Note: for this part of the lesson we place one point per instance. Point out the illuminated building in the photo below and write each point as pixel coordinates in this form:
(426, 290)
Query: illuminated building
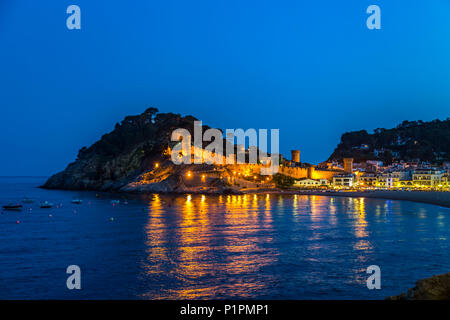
(368, 179)
(311, 183)
(427, 178)
(344, 180)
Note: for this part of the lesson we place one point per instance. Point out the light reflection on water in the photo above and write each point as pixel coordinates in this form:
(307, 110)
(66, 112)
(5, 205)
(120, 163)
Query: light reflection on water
(252, 246)
(202, 249)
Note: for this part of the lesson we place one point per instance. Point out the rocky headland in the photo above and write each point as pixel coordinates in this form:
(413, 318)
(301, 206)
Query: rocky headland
(132, 158)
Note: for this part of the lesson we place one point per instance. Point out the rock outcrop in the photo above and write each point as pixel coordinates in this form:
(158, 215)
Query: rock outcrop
(433, 288)
(124, 159)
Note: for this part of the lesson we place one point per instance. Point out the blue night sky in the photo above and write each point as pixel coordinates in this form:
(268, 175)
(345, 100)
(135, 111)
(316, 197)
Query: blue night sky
(310, 68)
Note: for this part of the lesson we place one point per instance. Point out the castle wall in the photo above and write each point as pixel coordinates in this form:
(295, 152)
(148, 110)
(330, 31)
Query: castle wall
(294, 172)
(324, 174)
(310, 172)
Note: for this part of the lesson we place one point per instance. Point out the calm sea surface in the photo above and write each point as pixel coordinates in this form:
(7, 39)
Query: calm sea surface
(206, 247)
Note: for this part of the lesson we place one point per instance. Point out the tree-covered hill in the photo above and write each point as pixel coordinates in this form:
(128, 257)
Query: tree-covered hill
(410, 140)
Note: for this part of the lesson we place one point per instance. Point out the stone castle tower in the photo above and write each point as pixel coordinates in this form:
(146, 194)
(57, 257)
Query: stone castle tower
(348, 165)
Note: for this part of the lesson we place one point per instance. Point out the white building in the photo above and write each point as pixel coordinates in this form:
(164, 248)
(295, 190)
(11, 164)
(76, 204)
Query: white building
(344, 180)
(310, 183)
(427, 178)
(385, 180)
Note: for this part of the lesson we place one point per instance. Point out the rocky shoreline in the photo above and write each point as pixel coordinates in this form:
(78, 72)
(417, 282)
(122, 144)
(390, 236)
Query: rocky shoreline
(433, 288)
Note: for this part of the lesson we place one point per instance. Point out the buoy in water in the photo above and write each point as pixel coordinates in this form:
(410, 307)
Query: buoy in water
(17, 222)
(112, 219)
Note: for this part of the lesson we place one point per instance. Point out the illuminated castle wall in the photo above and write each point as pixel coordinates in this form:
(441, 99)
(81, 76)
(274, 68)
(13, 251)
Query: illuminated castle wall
(245, 170)
(308, 172)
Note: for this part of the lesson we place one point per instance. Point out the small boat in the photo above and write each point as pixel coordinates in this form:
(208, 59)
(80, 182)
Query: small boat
(46, 205)
(77, 201)
(15, 207)
(115, 201)
(27, 200)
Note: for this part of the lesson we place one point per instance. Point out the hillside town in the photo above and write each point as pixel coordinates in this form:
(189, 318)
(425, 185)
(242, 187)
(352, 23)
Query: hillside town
(372, 174)
(367, 175)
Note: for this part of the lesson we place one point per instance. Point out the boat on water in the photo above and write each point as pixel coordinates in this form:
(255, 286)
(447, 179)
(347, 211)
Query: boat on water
(14, 207)
(27, 200)
(115, 201)
(77, 201)
(46, 205)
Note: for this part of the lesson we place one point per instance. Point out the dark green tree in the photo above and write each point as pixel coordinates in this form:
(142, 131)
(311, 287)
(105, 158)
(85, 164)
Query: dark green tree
(282, 181)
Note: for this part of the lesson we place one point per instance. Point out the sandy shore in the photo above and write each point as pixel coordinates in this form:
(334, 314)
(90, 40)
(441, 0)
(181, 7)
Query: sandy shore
(432, 197)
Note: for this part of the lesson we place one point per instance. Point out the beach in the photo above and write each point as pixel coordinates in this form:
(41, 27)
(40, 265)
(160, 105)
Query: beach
(432, 197)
